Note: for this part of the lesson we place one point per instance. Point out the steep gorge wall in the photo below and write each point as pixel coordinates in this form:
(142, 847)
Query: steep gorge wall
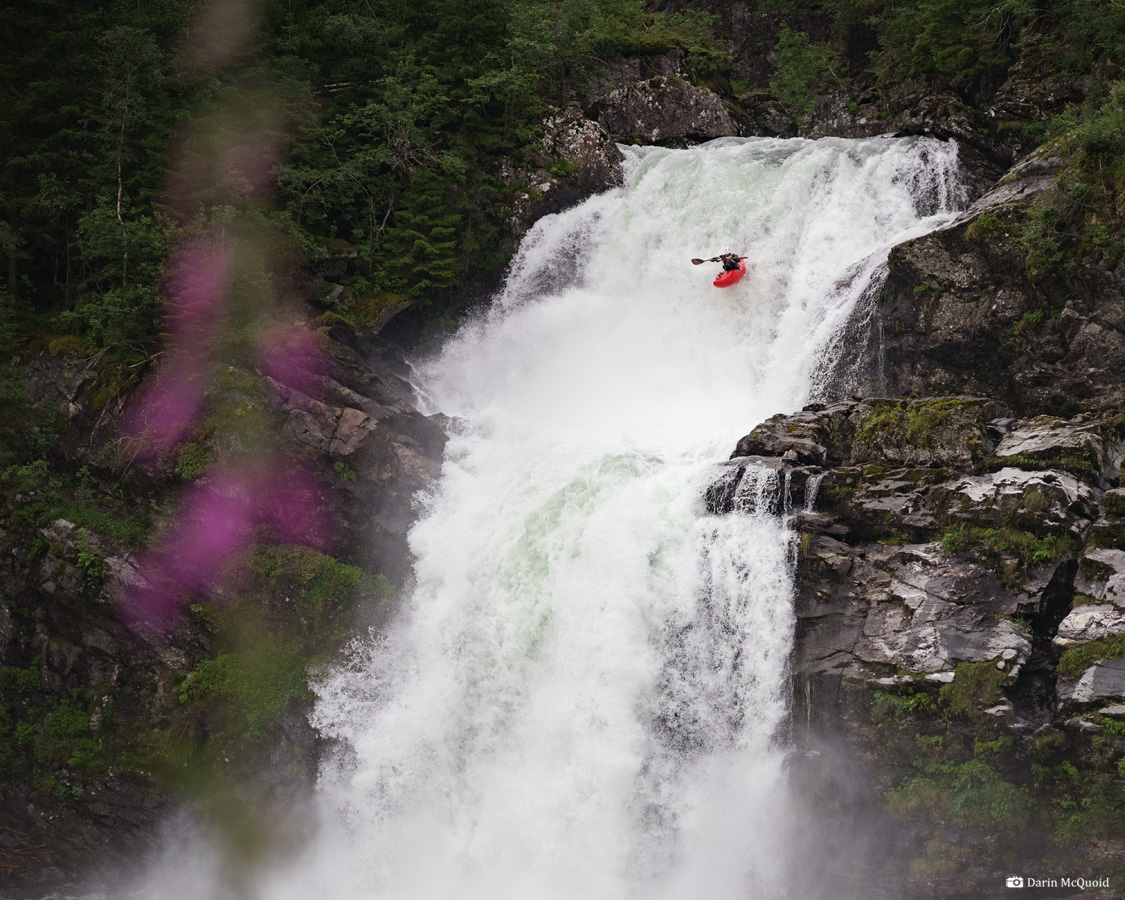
(956, 676)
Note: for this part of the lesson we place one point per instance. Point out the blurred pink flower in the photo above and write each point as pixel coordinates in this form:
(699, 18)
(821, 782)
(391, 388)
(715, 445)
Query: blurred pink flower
(196, 289)
(166, 408)
(248, 165)
(293, 508)
(218, 521)
(293, 355)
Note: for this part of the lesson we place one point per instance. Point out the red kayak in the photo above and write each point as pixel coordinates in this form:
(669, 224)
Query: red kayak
(726, 279)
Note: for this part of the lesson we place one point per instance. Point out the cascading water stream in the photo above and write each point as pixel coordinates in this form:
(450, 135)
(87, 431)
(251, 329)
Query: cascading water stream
(583, 695)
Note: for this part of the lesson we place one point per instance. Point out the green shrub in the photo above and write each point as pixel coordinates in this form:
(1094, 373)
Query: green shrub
(192, 460)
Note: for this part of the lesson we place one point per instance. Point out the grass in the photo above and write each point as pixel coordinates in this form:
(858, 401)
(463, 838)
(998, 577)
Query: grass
(1029, 549)
(1077, 659)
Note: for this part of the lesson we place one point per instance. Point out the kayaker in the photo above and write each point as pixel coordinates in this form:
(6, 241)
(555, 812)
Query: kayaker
(729, 261)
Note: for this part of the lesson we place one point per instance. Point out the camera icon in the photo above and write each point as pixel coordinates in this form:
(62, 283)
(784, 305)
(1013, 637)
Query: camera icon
(1014, 881)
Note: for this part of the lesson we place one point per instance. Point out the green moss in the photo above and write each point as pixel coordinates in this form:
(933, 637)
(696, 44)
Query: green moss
(1077, 659)
(319, 582)
(1027, 548)
(65, 346)
(984, 229)
(192, 460)
(975, 686)
(1034, 501)
(909, 423)
(247, 692)
(1078, 462)
(1115, 505)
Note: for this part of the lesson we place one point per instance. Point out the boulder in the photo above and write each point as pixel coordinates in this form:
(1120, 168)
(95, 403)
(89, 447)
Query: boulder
(576, 158)
(664, 110)
(53, 383)
(1090, 623)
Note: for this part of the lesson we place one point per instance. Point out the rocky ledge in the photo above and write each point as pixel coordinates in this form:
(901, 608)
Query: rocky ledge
(958, 666)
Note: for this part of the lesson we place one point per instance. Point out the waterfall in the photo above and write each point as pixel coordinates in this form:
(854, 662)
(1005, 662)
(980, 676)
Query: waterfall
(586, 693)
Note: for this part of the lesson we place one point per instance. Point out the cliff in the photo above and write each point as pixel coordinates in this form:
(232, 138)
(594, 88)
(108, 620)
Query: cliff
(956, 687)
(159, 611)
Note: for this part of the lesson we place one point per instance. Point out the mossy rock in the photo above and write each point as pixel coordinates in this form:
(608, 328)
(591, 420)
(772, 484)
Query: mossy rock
(936, 431)
(1078, 658)
(975, 687)
(68, 345)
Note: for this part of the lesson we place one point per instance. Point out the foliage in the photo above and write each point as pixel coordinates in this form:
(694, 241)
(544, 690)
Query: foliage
(802, 70)
(1078, 658)
(249, 691)
(57, 743)
(192, 460)
(1085, 218)
(964, 36)
(966, 790)
(90, 502)
(322, 583)
(910, 699)
(1029, 549)
(1087, 802)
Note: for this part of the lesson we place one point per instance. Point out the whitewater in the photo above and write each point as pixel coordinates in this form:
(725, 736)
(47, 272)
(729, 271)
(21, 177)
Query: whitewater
(585, 694)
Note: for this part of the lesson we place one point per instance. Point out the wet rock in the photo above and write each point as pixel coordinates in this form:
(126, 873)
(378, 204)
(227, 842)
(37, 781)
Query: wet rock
(1089, 623)
(873, 484)
(1103, 680)
(913, 608)
(1101, 575)
(1088, 448)
(54, 383)
(759, 484)
(917, 432)
(1043, 502)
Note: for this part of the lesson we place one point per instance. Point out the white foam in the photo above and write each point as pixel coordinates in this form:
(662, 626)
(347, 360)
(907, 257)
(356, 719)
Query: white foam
(583, 696)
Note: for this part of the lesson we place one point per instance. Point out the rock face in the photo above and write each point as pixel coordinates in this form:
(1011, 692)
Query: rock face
(664, 110)
(960, 584)
(966, 309)
(92, 705)
(576, 158)
(363, 427)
